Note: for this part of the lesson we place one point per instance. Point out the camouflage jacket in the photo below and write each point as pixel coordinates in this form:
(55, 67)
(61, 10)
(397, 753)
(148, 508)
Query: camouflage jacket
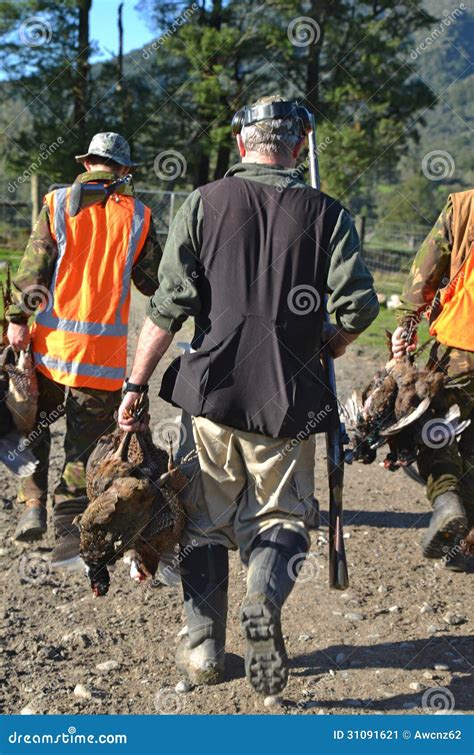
(429, 271)
(38, 262)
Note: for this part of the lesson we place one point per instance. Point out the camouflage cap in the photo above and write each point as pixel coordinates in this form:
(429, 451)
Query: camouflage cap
(110, 146)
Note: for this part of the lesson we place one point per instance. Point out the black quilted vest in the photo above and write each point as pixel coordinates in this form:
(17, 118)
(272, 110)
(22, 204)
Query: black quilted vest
(264, 262)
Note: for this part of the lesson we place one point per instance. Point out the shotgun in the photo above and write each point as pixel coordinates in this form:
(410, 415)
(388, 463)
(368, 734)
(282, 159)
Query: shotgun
(336, 435)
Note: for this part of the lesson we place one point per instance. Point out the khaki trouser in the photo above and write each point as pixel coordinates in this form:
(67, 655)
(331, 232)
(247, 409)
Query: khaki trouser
(89, 414)
(247, 483)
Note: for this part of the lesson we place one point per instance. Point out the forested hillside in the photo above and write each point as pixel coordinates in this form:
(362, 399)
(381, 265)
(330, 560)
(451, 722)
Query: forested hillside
(389, 82)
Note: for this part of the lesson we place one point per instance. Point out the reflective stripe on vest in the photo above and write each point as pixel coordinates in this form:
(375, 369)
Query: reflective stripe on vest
(90, 328)
(80, 338)
(80, 368)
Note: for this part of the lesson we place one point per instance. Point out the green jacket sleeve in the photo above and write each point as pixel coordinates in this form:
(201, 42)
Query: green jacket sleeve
(177, 297)
(145, 270)
(352, 298)
(35, 271)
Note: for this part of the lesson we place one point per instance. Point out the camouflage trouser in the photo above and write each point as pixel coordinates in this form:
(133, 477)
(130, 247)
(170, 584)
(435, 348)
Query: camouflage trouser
(451, 465)
(89, 414)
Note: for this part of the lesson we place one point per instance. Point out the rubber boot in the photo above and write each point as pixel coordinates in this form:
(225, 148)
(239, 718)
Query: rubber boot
(67, 539)
(33, 523)
(275, 560)
(205, 578)
(448, 523)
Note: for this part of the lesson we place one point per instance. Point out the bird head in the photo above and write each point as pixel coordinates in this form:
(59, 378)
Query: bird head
(99, 579)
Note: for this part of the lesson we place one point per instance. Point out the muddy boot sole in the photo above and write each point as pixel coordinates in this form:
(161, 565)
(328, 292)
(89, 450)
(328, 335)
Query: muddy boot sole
(442, 535)
(266, 662)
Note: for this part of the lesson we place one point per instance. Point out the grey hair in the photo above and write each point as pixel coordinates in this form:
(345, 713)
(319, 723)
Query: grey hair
(278, 137)
(273, 137)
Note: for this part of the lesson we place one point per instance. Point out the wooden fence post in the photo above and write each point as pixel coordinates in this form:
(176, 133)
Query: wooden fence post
(35, 201)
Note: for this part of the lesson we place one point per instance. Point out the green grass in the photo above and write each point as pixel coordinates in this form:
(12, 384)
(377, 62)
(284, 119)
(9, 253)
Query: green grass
(374, 337)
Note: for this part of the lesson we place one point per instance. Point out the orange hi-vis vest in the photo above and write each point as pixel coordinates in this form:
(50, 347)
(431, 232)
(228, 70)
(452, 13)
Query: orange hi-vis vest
(80, 337)
(454, 326)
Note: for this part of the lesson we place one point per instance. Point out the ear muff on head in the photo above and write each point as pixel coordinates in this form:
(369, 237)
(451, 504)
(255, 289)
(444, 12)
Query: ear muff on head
(237, 122)
(247, 116)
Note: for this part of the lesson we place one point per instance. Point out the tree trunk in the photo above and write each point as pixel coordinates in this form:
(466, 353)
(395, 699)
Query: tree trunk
(120, 50)
(82, 66)
(222, 164)
(35, 198)
(318, 13)
(201, 173)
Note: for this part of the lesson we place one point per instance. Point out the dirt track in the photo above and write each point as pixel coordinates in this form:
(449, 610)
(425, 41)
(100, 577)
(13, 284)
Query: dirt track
(400, 630)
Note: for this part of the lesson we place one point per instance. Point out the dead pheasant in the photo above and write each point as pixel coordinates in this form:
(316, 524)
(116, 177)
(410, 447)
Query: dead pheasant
(18, 399)
(133, 488)
(394, 408)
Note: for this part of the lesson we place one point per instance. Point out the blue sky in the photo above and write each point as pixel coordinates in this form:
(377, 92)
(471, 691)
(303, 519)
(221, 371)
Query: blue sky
(104, 30)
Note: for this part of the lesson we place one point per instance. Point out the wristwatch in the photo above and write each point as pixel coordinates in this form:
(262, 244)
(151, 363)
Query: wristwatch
(134, 387)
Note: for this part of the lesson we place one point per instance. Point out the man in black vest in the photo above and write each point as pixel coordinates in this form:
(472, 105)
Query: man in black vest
(251, 257)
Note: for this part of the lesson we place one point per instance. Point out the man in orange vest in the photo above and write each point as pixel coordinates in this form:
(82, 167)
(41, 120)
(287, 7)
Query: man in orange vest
(75, 277)
(441, 282)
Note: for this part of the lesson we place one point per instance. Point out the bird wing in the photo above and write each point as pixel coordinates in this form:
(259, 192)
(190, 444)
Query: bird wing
(353, 409)
(408, 420)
